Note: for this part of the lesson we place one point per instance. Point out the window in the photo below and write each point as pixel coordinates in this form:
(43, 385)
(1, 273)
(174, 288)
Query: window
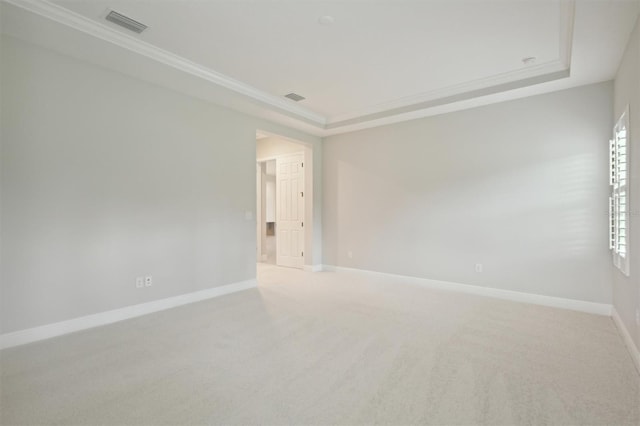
(619, 199)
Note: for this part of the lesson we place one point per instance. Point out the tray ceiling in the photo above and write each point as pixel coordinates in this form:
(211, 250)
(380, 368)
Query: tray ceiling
(375, 62)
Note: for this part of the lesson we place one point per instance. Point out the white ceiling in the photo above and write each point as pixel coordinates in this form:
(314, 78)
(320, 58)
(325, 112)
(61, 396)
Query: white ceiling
(380, 62)
(375, 52)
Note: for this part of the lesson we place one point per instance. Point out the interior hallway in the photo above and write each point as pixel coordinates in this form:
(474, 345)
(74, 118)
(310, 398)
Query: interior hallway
(330, 348)
(271, 249)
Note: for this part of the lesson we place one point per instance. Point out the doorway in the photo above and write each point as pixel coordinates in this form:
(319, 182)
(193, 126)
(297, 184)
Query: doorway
(284, 201)
(266, 207)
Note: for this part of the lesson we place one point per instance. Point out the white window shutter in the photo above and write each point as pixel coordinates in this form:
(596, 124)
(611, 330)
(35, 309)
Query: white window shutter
(619, 200)
(612, 162)
(612, 226)
(621, 224)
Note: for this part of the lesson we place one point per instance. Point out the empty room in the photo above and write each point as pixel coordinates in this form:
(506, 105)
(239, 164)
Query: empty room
(319, 212)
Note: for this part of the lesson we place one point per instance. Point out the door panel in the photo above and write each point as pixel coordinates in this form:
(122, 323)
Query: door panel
(290, 210)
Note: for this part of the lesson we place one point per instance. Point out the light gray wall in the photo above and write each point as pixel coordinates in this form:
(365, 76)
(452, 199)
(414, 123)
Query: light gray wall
(520, 187)
(626, 290)
(106, 178)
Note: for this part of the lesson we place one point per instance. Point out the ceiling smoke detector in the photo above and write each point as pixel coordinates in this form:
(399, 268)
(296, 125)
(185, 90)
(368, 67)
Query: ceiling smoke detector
(295, 97)
(125, 22)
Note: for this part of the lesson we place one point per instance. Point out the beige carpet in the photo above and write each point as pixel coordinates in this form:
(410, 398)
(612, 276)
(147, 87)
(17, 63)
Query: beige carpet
(330, 348)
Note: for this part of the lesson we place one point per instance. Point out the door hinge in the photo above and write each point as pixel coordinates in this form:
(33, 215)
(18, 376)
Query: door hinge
(302, 193)
(302, 254)
(302, 164)
(302, 224)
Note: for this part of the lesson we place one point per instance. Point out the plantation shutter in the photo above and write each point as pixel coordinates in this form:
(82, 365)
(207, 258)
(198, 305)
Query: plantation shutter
(619, 200)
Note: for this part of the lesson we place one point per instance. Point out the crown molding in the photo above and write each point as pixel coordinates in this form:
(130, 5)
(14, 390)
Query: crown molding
(86, 25)
(567, 19)
(314, 123)
(463, 92)
(547, 71)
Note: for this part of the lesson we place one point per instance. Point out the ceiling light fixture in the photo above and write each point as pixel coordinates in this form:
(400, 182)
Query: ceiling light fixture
(326, 20)
(529, 60)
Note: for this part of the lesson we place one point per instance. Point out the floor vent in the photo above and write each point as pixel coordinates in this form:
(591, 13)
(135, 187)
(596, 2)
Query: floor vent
(125, 22)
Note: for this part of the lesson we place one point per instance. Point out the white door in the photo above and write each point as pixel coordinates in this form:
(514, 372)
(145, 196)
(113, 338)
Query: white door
(290, 210)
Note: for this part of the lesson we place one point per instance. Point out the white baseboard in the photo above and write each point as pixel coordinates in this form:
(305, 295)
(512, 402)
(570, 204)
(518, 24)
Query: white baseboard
(626, 336)
(536, 299)
(29, 335)
(313, 268)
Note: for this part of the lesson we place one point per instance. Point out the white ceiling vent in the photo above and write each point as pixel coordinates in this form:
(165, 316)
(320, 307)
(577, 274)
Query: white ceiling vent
(294, 97)
(126, 22)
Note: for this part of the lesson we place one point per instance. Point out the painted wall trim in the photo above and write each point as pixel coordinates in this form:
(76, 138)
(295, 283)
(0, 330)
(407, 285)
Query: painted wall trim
(431, 102)
(370, 116)
(547, 71)
(105, 32)
(626, 336)
(48, 331)
(515, 296)
(313, 268)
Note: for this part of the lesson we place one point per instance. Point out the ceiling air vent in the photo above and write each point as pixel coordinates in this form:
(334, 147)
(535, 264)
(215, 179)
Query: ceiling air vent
(126, 22)
(294, 97)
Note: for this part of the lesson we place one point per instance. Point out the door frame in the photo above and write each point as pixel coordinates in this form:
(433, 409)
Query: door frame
(308, 202)
(259, 198)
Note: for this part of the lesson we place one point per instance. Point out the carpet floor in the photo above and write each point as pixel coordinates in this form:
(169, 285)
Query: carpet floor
(330, 348)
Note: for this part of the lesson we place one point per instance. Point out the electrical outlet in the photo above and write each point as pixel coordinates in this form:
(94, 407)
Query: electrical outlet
(148, 281)
(350, 254)
(139, 282)
(478, 267)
